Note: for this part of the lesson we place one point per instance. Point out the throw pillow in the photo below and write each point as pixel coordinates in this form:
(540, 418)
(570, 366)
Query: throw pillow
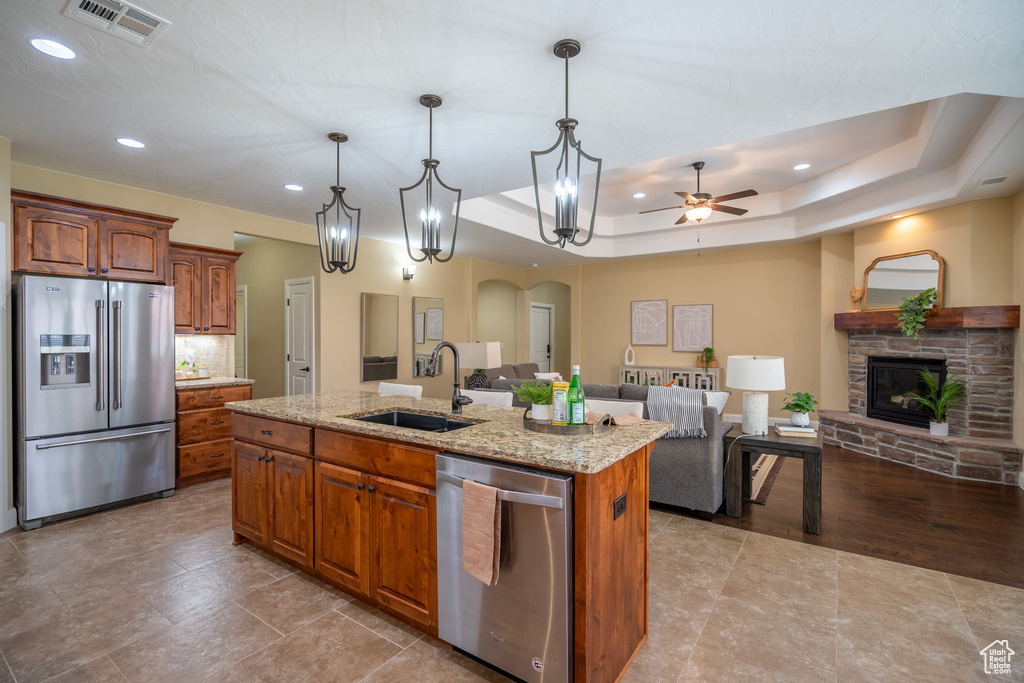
(717, 399)
(553, 376)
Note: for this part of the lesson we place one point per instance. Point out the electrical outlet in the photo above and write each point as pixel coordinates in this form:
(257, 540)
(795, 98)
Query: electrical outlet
(619, 506)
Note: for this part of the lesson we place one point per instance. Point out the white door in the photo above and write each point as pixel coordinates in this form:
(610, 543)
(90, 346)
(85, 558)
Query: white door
(299, 346)
(542, 335)
(241, 331)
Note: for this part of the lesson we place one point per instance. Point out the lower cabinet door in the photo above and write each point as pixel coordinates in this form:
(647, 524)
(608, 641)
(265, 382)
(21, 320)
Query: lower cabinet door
(248, 496)
(343, 526)
(404, 548)
(291, 506)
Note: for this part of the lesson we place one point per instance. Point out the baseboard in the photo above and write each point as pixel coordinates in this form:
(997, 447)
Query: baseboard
(1020, 479)
(9, 520)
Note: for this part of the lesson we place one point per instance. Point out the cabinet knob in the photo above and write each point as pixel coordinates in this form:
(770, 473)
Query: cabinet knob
(206, 329)
(197, 329)
(360, 486)
(219, 455)
(268, 432)
(372, 488)
(260, 458)
(269, 458)
(103, 270)
(92, 269)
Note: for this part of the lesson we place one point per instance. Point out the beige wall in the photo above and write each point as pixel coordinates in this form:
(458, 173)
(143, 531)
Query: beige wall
(263, 268)
(558, 295)
(7, 514)
(752, 291)
(1017, 250)
(837, 277)
(498, 317)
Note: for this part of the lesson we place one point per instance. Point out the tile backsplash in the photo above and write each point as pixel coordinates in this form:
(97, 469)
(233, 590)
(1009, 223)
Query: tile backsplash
(211, 351)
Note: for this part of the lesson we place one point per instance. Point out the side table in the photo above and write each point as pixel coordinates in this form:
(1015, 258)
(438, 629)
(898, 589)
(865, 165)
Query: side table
(737, 469)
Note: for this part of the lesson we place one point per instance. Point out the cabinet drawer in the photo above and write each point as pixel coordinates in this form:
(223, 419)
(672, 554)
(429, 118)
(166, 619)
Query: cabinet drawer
(389, 459)
(204, 458)
(214, 397)
(273, 433)
(211, 424)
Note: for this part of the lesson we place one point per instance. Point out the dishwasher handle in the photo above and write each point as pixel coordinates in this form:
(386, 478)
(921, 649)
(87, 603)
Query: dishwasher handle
(513, 496)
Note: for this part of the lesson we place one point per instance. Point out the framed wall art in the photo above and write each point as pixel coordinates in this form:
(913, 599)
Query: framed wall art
(649, 323)
(691, 327)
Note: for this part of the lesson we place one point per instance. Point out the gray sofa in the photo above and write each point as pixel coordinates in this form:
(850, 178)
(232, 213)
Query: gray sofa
(686, 473)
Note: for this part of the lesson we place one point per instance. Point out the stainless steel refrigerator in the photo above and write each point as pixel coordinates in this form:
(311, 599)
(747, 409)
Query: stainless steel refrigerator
(94, 362)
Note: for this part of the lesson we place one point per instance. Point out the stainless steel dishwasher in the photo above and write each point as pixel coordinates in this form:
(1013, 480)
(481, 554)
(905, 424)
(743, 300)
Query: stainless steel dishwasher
(523, 624)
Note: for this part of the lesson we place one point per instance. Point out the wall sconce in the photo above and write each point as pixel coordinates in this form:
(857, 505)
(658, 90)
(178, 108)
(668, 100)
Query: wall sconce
(408, 272)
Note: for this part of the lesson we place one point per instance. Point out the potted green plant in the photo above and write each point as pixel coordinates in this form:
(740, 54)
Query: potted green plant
(800, 403)
(539, 394)
(938, 399)
(914, 311)
(707, 358)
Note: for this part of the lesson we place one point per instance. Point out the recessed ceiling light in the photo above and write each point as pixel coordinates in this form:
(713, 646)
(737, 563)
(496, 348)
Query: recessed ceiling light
(53, 48)
(535, 265)
(129, 142)
(898, 215)
(293, 187)
(638, 195)
(801, 167)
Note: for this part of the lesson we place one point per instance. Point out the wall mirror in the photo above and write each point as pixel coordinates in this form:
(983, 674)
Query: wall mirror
(890, 278)
(427, 330)
(379, 337)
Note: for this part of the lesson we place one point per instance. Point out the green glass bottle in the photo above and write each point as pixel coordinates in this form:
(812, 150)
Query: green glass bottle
(576, 400)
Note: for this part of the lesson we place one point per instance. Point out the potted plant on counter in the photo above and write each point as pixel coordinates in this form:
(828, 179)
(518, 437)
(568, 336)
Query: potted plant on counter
(800, 403)
(707, 359)
(938, 399)
(539, 394)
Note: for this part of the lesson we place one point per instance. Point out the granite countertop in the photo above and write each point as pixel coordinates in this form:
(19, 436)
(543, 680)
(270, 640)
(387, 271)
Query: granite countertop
(210, 382)
(499, 433)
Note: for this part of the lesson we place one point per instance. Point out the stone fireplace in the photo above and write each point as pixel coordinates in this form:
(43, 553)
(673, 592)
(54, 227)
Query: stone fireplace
(892, 382)
(979, 445)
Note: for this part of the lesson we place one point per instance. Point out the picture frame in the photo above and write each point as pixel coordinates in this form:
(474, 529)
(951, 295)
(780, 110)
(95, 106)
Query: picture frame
(420, 328)
(649, 323)
(435, 324)
(692, 326)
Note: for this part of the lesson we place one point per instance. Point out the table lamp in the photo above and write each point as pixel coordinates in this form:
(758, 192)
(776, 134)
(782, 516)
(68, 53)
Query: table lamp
(755, 374)
(480, 356)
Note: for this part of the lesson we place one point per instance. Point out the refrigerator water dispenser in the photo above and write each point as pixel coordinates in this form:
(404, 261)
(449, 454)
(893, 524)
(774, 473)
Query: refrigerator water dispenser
(64, 360)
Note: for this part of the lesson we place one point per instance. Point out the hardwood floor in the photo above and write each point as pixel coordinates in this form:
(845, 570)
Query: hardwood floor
(884, 509)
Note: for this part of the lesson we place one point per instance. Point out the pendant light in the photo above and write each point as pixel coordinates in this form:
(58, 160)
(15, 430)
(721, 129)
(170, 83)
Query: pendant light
(337, 231)
(566, 170)
(430, 214)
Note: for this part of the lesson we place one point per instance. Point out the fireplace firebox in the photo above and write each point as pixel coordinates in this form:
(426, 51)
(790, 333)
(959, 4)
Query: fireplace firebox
(890, 383)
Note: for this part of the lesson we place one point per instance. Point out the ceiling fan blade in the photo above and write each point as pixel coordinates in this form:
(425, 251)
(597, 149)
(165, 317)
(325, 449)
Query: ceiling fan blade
(735, 195)
(665, 209)
(681, 220)
(728, 209)
(687, 196)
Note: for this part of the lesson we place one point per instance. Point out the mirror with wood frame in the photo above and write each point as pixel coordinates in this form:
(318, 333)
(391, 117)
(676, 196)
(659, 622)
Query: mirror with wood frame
(379, 334)
(891, 278)
(427, 330)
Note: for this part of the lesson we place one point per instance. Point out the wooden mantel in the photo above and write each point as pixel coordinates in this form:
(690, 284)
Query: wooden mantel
(976, 317)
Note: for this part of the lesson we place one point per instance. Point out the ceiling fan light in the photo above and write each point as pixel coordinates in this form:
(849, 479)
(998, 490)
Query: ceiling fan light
(698, 213)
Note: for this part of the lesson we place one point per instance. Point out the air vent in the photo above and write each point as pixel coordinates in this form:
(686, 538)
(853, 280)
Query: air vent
(991, 181)
(120, 19)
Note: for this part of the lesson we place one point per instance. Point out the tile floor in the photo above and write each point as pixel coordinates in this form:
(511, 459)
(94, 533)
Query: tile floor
(156, 592)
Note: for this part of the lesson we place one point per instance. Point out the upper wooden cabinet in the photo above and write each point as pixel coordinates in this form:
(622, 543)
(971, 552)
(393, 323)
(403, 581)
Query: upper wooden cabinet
(63, 237)
(204, 289)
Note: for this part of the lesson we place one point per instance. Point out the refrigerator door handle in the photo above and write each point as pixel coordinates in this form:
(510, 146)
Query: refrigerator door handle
(100, 353)
(48, 446)
(116, 362)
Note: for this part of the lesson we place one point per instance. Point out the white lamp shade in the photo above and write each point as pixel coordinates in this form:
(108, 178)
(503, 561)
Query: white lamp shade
(479, 355)
(755, 373)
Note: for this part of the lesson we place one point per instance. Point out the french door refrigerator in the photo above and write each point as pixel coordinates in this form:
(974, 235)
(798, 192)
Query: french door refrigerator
(95, 394)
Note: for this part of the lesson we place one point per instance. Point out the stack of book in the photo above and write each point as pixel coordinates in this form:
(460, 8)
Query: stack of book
(793, 430)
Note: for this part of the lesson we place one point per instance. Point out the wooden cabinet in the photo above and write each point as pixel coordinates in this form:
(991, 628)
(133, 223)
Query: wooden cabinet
(64, 237)
(272, 491)
(204, 289)
(342, 536)
(204, 432)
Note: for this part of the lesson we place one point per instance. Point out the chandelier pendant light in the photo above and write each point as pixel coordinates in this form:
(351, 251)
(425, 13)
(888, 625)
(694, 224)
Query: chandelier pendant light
(567, 171)
(337, 224)
(432, 220)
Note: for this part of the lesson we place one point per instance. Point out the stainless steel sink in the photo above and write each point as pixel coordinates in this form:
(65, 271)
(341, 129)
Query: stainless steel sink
(423, 423)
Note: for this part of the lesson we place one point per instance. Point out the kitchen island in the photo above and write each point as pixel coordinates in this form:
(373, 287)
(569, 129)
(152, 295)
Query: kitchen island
(353, 503)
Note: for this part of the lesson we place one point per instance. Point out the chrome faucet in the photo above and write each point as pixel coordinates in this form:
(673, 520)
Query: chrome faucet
(458, 400)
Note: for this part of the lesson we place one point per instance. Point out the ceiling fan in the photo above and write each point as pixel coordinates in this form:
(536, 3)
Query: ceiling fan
(699, 205)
